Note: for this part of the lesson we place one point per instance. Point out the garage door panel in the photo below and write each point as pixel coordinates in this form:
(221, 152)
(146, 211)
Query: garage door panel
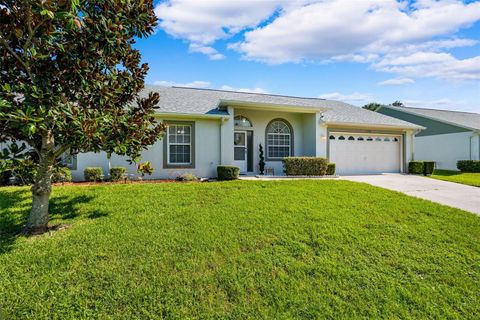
(365, 154)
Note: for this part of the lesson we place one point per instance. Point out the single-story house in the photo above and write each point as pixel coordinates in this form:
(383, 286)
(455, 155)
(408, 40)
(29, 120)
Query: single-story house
(449, 135)
(207, 128)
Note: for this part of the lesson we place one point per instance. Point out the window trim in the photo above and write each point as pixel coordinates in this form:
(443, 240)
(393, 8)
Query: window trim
(166, 149)
(292, 153)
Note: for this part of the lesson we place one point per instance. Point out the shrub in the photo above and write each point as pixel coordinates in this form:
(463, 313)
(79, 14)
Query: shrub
(428, 167)
(415, 167)
(469, 165)
(5, 177)
(25, 172)
(305, 166)
(331, 169)
(227, 172)
(61, 174)
(93, 174)
(145, 168)
(117, 173)
(187, 177)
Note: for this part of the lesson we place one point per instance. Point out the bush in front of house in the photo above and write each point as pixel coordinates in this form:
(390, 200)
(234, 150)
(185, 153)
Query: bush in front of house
(117, 173)
(469, 165)
(227, 173)
(415, 167)
(331, 169)
(61, 174)
(305, 166)
(93, 174)
(428, 167)
(187, 177)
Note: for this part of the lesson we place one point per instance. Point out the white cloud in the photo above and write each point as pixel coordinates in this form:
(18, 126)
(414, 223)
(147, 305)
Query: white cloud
(396, 82)
(354, 98)
(203, 22)
(250, 90)
(212, 53)
(193, 84)
(324, 29)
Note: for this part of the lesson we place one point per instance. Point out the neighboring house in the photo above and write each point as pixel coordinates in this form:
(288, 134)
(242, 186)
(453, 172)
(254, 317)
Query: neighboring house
(449, 135)
(207, 128)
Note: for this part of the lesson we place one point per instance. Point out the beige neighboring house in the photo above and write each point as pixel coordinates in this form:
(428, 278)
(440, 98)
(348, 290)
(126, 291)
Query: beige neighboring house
(207, 128)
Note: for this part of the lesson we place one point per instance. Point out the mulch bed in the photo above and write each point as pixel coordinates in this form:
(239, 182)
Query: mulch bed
(103, 183)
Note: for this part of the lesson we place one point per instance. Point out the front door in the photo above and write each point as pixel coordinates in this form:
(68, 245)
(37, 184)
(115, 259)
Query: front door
(240, 150)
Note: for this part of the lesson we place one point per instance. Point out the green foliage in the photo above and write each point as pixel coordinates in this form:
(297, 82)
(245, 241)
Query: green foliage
(398, 104)
(468, 178)
(428, 167)
(117, 173)
(187, 177)
(415, 167)
(327, 249)
(469, 165)
(61, 174)
(145, 168)
(305, 166)
(372, 106)
(227, 173)
(331, 169)
(93, 174)
(261, 162)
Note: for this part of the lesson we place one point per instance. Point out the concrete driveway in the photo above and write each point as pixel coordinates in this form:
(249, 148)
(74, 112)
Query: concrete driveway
(448, 193)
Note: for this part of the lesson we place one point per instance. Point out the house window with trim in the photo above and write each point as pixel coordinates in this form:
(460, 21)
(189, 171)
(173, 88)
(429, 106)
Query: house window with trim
(179, 144)
(279, 136)
(68, 160)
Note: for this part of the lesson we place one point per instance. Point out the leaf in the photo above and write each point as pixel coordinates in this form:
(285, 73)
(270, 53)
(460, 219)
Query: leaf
(48, 13)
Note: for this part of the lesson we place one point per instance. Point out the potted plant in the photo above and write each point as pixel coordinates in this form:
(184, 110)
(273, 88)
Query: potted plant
(261, 163)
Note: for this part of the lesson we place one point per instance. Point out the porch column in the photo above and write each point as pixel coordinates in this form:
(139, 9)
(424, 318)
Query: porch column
(226, 139)
(321, 138)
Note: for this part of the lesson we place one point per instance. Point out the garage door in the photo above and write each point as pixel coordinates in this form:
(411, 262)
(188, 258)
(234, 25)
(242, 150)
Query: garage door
(365, 154)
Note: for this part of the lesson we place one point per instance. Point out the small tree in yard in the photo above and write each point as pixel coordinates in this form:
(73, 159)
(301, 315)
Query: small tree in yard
(69, 82)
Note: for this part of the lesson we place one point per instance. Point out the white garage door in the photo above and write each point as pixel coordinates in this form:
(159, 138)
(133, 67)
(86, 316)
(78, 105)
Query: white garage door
(365, 154)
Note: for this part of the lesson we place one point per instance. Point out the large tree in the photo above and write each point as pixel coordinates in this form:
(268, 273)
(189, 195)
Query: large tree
(70, 80)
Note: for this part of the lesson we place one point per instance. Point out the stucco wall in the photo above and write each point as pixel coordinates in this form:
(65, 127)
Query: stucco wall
(260, 120)
(207, 156)
(447, 149)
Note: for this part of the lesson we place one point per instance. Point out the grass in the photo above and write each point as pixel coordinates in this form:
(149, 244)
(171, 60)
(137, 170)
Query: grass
(244, 249)
(469, 178)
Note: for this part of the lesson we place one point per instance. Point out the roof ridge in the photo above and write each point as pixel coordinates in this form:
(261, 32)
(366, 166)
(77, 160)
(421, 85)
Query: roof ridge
(437, 110)
(257, 93)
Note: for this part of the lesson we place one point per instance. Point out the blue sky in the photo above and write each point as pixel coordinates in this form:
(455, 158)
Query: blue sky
(425, 53)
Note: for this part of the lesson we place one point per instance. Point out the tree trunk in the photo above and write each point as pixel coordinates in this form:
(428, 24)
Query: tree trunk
(42, 187)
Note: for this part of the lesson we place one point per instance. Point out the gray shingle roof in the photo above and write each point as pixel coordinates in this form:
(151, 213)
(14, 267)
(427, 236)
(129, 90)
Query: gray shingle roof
(464, 119)
(205, 101)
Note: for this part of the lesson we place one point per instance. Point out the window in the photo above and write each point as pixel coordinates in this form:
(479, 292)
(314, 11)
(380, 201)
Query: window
(386, 139)
(395, 140)
(360, 139)
(341, 138)
(179, 144)
(351, 138)
(378, 139)
(241, 121)
(369, 139)
(332, 137)
(69, 160)
(279, 139)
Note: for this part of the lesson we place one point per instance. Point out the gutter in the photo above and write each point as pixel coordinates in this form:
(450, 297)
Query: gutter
(191, 116)
(270, 106)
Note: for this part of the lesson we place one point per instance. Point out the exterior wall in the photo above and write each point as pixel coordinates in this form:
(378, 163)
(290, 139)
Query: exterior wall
(447, 149)
(260, 120)
(433, 127)
(207, 156)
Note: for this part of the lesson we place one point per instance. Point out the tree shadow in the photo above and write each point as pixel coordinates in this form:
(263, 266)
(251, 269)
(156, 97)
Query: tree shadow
(15, 208)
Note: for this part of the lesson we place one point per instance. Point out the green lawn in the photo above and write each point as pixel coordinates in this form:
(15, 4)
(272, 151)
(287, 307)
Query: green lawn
(244, 249)
(469, 178)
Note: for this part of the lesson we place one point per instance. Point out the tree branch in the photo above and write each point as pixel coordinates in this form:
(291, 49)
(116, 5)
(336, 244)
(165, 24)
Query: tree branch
(15, 55)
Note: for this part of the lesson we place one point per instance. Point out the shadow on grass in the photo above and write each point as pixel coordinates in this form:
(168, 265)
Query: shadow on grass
(446, 173)
(15, 208)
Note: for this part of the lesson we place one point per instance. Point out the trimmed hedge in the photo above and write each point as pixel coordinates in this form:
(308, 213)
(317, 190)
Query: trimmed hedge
(93, 174)
(305, 166)
(469, 165)
(331, 169)
(227, 173)
(428, 167)
(117, 173)
(415, 167)
(61, 174)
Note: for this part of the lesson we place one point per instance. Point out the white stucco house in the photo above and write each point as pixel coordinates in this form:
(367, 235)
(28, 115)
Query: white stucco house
(449, 135)
(212, 127)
